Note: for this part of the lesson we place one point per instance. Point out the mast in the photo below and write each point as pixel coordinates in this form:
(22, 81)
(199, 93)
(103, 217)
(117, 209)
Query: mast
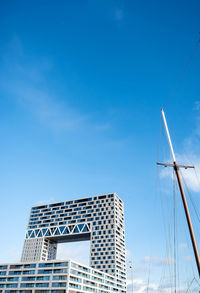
(178, 176)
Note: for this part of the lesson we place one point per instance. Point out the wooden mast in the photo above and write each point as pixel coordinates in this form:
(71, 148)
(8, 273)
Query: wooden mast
(178, 176)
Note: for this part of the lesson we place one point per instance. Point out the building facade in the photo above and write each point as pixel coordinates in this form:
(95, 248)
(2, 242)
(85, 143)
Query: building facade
(55, 277)
(99, 219)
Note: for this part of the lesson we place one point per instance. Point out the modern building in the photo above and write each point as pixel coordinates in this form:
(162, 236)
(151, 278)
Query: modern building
(55, 277)
(99, 219)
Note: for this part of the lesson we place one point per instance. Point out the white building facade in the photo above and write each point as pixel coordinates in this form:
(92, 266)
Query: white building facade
(55, 277)
(99, 219)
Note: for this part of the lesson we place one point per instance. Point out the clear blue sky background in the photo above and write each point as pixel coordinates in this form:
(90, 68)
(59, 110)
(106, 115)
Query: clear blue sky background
(81, 87)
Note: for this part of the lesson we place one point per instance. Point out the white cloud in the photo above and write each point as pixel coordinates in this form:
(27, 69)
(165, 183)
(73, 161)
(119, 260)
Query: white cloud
(182, 246)
(158, 261)
(23, 78)
(78, 251)
(188, 258)
(197, 105)
(191, 177)
(128, 254)
(56, 115)
(119, 14)
(45, 201)
(14, 254)
(141, 286)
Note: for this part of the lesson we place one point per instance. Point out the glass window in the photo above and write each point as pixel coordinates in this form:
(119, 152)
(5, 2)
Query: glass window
(58, 284)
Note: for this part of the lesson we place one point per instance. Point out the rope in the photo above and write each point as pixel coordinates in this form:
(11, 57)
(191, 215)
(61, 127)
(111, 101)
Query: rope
(174, 214)
(191, 199)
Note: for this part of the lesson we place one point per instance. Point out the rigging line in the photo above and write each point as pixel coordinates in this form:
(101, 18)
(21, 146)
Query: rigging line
(195, 171)
(148, 279)
(165, 233)
(178, 210)
(197, 212)
(162, 276)
(190, 285)
(169, 244)
(183, 228)
(177, 237)
(165, 211)
(191, 199)
(168, 225)
(159, 199)
(170, 230)
(159, 141)
(160, 196)
(194, 210)
(197, 177)
(174, 214)
(181, 75)
(197, 281)
(171, 235)
(185, 231)
(164, 226)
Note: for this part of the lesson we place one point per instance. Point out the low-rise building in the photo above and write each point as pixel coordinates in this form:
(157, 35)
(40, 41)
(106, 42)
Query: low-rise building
(55, 277)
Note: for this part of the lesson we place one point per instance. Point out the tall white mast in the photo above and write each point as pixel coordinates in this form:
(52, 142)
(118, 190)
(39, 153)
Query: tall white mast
(178, 176)
(168, 135)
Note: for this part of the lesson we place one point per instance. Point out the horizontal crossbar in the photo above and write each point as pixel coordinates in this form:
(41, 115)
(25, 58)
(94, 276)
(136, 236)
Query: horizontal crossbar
(172, 165)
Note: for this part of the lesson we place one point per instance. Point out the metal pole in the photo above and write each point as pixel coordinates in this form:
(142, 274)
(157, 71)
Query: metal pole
(187, 213)
(168, 135)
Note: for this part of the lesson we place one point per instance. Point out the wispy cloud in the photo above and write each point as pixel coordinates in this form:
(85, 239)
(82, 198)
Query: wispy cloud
(75, 251)
(119, 14)
(112, 10)
(47, 109)
(191, 176)
(182, 246)
(45, 201)
(24, 78)
(158, 261)
(141, 286)
(188, 258)
(13, 254)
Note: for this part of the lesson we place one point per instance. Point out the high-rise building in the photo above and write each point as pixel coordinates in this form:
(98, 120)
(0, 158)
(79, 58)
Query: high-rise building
(99, 219)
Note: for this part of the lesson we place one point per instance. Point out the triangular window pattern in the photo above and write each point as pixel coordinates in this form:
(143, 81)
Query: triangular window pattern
(71, 228)
(81, 226)
(66, 231)
(36, 232)
(44, 231)
(76, 230)
(85, 229)
(40, 234)
(62, 228)
(32, 235)
(57, 232)
(48, 233)
(29, 232)
(52, 230)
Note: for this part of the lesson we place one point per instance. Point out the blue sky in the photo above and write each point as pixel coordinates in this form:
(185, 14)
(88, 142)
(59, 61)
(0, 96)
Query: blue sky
(81, 87)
